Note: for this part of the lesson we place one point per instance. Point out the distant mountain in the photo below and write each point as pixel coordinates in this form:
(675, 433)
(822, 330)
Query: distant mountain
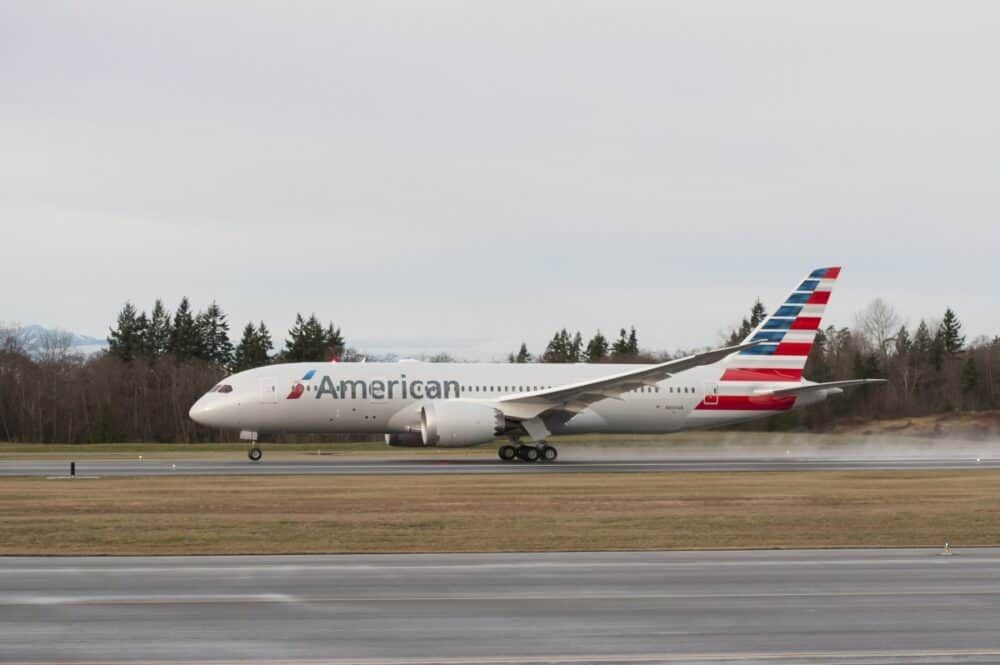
(36, 331)
(78, 343)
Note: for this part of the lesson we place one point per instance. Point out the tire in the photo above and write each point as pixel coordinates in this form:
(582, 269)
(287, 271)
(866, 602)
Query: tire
(255, 454)
(528, 453)
(549, 454)
(507, 453)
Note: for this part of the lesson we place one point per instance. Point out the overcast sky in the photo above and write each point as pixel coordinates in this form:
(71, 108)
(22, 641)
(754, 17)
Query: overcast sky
(462, 177)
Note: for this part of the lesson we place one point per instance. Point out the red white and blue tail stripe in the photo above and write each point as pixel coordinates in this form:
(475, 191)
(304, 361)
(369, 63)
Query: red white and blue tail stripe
(787, 335)
(786, 338)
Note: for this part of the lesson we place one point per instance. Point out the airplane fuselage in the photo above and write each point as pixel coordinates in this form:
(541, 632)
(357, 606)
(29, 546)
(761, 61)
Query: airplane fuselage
(365, 398)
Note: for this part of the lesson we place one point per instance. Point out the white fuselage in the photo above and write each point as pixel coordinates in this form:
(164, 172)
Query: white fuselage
(366, 398)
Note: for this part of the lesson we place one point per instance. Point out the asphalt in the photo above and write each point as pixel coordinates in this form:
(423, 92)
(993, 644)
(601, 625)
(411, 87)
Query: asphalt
(849, 606)
(335, 466)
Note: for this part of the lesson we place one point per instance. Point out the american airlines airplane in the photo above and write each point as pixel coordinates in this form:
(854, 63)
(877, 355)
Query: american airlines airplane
(454, 405)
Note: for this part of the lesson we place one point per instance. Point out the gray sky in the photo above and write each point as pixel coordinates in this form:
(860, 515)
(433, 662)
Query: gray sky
(462, 177)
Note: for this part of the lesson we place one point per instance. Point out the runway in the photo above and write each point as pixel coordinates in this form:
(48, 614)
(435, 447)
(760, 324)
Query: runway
(319, 466)
(853, 606)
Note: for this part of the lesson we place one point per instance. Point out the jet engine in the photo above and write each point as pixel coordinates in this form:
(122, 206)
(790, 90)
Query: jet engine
(458, 424)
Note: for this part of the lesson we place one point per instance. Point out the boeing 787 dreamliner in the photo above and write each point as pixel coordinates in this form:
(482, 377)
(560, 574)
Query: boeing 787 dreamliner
(456, 405)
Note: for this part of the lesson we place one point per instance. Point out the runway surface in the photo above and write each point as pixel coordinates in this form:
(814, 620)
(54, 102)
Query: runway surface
(853, 606)
(437, 466)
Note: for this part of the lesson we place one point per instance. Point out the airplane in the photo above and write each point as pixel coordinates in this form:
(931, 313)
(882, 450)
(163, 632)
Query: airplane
(453, 405)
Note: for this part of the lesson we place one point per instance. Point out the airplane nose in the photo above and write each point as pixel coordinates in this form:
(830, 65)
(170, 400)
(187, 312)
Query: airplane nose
(208, 411)
(197, 412)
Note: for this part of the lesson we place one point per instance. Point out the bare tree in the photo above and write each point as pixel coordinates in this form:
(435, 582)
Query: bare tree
(877, 322)
(56, 346)
(14, 338)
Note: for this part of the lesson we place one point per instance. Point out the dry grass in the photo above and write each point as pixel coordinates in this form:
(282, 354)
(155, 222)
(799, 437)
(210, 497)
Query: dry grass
(285, 514)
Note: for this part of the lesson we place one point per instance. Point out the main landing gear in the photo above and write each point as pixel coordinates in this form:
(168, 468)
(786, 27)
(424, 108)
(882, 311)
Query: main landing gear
(528, 453)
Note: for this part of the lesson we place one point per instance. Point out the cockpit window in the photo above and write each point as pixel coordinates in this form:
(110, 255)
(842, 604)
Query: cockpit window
(225, 388)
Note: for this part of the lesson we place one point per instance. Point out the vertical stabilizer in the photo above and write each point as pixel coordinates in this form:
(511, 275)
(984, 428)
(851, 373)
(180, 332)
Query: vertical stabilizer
(786, 335)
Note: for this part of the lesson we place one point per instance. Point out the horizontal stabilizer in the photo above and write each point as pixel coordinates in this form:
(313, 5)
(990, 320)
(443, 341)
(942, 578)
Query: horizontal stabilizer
(833, 386)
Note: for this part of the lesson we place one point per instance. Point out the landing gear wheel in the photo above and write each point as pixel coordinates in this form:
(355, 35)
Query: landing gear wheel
(528, 453)
(255, 454)
(507, 453)
(549, 454)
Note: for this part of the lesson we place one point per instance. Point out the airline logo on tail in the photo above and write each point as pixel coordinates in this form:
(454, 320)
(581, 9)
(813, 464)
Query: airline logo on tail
(785, 337)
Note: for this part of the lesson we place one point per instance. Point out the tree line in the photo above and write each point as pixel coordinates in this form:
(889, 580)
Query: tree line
(566, 348)
(158, 363)
(141, 388)
(931, 368)
(205, 336)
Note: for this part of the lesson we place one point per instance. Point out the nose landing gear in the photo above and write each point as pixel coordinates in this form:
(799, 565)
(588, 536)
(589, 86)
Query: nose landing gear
(254, 453)
(528, 453)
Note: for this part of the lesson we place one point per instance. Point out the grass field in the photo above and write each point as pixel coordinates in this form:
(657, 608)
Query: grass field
(289, 514)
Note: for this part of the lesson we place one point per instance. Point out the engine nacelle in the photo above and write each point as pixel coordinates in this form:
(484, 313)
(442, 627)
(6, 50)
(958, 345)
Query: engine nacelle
(459, 424)
(405, 440)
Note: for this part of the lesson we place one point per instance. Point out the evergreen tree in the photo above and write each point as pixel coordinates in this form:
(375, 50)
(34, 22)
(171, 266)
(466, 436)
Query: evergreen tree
(125, 340)
(970, 375)
(748, 325)
(633, 342)
(922, 343)
(254, 348)
(185, 340)
(334, 343)
(938, 349)
(559, 349)
(903, 343)
(597, 348)
(817, 365)
(142, 349)
(309, 341)
(213, 333)
(757, 315)
(264, 343)
(620, 347)
(576, 348)
(522, 354)
(158, 333)
(950, 331)
(866, 365)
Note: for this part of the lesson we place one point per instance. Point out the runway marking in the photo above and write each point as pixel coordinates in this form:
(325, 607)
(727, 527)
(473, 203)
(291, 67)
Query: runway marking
(235, 599)
(569, 659)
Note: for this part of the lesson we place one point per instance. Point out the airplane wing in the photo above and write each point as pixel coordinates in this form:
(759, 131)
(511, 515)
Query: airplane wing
(829, 385)
(575, 397)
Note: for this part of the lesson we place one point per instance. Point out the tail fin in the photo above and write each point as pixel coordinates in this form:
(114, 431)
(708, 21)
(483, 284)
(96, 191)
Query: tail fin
(787, 335)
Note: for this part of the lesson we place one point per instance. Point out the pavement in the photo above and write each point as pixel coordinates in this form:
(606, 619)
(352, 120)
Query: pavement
(839, 606)
(241, 467)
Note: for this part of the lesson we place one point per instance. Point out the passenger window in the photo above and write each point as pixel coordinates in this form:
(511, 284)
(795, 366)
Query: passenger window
(226, 388)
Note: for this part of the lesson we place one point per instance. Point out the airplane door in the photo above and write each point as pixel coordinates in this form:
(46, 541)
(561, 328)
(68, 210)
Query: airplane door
(711, 393)
(268, 391)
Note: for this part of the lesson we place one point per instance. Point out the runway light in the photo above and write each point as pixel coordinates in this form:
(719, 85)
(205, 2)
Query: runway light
(947, 550)
(173, 466)
(140, 458)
